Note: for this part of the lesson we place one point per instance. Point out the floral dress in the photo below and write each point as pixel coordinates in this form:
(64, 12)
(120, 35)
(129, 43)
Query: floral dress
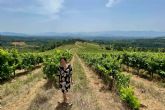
(64, 78)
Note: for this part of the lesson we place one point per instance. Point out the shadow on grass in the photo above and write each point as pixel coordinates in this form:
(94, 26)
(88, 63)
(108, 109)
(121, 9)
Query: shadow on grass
(50, 84)
(41, 100)
(63, 106)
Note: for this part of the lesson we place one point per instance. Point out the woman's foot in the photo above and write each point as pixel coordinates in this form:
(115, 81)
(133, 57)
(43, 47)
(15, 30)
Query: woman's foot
(65, 99)
(70, 104)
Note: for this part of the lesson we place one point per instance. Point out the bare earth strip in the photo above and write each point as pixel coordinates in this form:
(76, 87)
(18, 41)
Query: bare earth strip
(150, 94)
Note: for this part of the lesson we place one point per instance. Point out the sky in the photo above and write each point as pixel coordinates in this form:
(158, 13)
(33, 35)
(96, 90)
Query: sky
(38, 16)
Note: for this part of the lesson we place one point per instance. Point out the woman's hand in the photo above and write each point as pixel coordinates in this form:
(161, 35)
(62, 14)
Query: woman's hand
(72, 82)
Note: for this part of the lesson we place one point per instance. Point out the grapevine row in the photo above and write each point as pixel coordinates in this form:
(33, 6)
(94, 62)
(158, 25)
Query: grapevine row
(10, 61)
(154, 63)
(108, 67)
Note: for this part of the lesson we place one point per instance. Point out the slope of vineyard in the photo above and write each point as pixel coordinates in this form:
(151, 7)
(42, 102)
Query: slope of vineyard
(153, 60)
(99, 80)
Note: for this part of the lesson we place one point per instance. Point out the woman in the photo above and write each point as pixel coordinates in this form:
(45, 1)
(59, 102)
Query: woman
(65, 77)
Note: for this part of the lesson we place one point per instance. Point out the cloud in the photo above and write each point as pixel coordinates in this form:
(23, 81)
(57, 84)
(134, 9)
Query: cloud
(48, 8)
(111, 3)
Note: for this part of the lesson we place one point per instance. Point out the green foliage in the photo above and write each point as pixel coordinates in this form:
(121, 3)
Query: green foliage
(12, 60)
(50, 69)
(30, 60)
(5, 70)
(122, 80)
(151, 62)
(162, 74)
(109, 65)
(51, 62)
(154, 45)
(128, 96)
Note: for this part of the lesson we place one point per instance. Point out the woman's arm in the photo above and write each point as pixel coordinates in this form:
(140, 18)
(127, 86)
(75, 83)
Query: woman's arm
(71, 79)
(58, 74)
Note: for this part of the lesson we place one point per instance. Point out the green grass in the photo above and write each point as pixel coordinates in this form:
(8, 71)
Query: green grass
(89, 47)
(66, 47)
(82, 93)
(79, 77)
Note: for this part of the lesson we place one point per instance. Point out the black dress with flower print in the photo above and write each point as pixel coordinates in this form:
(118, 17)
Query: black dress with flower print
(64, 78)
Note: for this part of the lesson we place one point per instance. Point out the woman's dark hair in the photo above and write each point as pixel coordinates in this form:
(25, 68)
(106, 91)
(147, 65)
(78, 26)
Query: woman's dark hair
(63, 58)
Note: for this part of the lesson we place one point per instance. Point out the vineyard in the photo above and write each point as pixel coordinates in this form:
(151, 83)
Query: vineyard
(10, 61)
(153, 63)
(108, 67)
(100, 82)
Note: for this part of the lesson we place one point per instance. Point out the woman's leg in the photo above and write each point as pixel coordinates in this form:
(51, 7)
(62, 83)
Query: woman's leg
(64, 96)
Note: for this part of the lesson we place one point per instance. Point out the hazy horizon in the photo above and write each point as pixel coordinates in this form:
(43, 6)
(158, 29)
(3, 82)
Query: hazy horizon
(39, 16)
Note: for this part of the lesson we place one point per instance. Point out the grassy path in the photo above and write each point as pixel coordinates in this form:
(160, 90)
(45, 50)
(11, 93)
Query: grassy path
(81, 95)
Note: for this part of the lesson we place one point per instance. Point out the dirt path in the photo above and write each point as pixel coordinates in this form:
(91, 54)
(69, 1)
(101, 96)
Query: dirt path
(105, 99)
(150, 95)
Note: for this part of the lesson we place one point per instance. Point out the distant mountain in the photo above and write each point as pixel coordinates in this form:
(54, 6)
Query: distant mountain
(54, 34)
(95, 35)
(133, 34)
(12, 34)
